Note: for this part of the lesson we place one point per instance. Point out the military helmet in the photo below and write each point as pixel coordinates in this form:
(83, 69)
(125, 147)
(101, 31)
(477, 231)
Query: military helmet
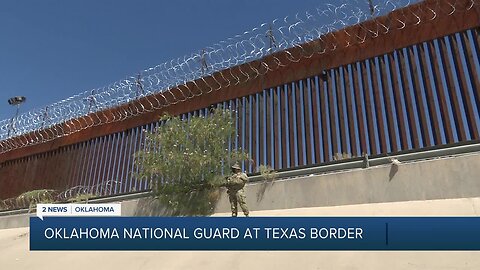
(236, 166)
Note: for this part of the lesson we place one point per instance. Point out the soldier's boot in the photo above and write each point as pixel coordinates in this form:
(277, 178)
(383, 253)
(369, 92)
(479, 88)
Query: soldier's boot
(234, 211)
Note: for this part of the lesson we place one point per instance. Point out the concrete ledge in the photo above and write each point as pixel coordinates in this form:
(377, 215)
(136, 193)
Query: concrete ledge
(15, 221)
(445, 178)
(440, 179)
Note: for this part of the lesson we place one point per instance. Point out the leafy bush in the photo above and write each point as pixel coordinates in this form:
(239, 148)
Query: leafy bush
(267, 172)
(342, 156)
(185, 159)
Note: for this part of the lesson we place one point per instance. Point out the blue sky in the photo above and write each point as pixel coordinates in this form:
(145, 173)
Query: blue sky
(50, 50)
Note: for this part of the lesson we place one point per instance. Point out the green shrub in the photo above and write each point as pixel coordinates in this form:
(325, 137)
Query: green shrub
(185, 159)
(267, 172)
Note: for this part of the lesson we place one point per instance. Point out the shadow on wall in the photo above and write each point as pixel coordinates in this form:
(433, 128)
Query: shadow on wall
(263, 188)
(393, 168)
(191, 204)
(150, 206)
(269, 176)
(393, 172)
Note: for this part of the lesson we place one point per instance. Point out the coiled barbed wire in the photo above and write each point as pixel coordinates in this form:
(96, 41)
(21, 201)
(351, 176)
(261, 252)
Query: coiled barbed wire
(100, 189)
(75, 194)
(233, 61)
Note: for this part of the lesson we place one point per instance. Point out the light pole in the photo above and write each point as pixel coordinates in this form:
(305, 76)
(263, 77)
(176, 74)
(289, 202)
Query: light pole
(15, 101)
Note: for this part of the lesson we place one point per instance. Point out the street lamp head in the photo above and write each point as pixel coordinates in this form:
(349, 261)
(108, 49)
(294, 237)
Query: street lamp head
(17, 100)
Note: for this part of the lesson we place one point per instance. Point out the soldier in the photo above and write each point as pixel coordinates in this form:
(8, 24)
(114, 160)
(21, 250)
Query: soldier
(236, 194)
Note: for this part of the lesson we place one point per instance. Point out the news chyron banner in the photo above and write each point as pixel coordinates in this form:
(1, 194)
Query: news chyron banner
(78, 210)
(100, 227)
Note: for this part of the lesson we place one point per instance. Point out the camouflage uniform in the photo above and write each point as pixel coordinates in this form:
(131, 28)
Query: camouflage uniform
(235, 184)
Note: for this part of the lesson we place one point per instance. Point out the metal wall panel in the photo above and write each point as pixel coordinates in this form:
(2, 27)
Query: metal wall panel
(418, 96)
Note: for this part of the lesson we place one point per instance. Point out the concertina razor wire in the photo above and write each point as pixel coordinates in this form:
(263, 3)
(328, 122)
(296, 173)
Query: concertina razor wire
(74, 194)
(152, 85)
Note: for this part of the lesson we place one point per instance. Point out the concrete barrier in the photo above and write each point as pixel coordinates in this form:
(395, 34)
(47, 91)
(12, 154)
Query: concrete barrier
(444, 178)
(15, 221)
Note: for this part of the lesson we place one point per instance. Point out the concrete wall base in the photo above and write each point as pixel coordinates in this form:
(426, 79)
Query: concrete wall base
(445, 178)
(439, 179)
